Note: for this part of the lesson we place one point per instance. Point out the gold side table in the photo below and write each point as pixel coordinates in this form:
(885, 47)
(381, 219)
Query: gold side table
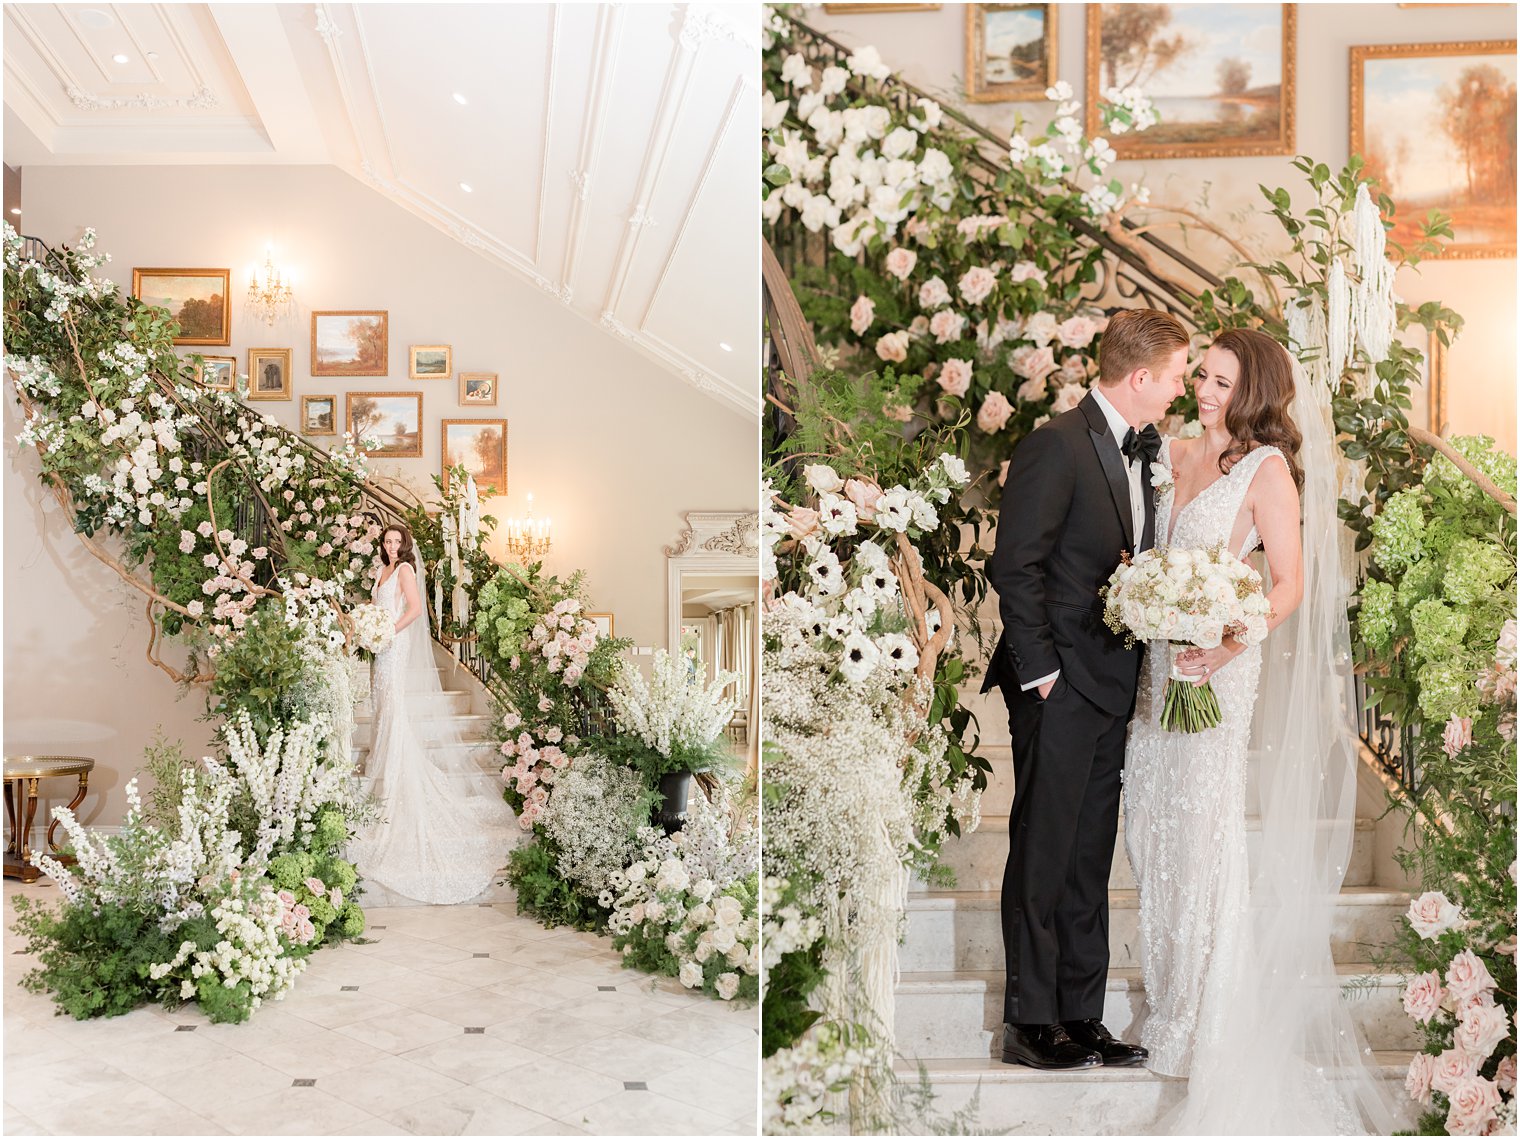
(22, 774)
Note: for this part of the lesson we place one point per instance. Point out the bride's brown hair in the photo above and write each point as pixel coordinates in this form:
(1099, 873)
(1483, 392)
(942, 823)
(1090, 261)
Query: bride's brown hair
(1257, 414)
(403, 555)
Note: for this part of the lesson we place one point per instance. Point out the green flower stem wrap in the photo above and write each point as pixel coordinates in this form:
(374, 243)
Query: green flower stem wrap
(1185, 706)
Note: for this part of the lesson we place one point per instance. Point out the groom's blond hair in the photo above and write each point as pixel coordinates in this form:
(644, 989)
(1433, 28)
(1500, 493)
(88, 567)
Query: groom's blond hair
(1137, 338)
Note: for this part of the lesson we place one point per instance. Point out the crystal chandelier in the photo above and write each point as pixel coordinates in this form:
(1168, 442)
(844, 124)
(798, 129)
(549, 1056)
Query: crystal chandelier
(529, 537)
(269, 295)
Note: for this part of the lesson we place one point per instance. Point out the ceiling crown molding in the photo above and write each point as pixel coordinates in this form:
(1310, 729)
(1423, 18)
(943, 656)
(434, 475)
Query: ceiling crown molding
(204, 99)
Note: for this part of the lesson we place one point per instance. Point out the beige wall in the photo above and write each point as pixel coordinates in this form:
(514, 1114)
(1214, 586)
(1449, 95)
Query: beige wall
(928, 48)
(614, 448)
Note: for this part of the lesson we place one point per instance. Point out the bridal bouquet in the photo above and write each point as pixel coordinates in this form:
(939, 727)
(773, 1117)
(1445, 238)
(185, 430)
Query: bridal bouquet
(1187, 597)
(374, 627)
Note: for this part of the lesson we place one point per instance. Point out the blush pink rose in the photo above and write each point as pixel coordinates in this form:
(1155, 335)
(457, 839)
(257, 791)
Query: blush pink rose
(1067, 398)
(1027, 271)
(994, 412)
(1074, 370)
(1473, 1103)
(1417, 1079)
(900, 262)
(893, 347)
(1423, 996)
(1458, 735)
(1033, 362)
(1480, 1029)
(933, 293)
(1077, 332)
(862, 312)
(977, 283)
(1467, 976)
(1035, 390)
(947, 325)
(801, 521)
(1450, 1069)
(1504, 1078)
(1432, 914)
(864, 495)
(1040, 328)
(955, 377)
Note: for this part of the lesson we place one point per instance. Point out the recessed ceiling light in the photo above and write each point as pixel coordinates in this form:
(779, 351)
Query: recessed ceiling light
(726, 347)
(466, 187)
(460, 99)
(15, 209)
(153, 55)
(119, 58)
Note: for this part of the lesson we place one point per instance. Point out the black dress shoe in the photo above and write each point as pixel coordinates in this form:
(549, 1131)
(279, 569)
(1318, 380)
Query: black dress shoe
(1046, 1046)
(1115, 1053)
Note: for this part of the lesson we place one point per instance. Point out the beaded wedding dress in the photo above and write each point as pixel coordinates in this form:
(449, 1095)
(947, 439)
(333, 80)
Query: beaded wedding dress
(444, 831)
(1242, 992)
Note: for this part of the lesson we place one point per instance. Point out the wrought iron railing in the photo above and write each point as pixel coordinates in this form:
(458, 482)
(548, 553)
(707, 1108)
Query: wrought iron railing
(1156, 279)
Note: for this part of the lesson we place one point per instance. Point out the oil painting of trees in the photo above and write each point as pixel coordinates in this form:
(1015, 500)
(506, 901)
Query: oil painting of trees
(1435, 124)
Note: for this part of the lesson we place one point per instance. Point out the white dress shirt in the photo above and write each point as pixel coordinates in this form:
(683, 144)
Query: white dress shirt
(1117, 427)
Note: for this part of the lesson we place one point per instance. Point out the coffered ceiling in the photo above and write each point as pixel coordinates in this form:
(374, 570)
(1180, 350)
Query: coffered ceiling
(603, 152)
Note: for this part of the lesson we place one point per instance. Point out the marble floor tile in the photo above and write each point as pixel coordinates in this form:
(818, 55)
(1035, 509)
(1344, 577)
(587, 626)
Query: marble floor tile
(545, 990)
(229, 1080)
(293, 1111)
(555, 1127)
(718, 1089)
(554, 1088)
(643, 1113)
(478, 1008)
(618, 1010)
(173, 1049)
(550, 1031)
(701, 1035)
(139, 1110)
(383, 1085)
(324, 1053)
(466, 1111)
(417, 988)
(17, 1123)
(399, 1031)
(471, 1058)
(745, 1055)
(44, 1090)
(478, 971)
(372, 1126)
(330, 1006)
(626, 1057)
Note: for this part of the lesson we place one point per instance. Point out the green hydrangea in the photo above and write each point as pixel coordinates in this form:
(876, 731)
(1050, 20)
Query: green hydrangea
(1397, 530)
(351, 920)
(1482, 452)
(1438, 629)
(340, 873)
(1474, 570)
(1446, 690)
(331, 830)
(289, 871)
(1376, 617)
(1422, 580)
(322, 911)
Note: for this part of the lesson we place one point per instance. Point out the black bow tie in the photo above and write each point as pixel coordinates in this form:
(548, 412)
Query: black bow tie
(1146, 444)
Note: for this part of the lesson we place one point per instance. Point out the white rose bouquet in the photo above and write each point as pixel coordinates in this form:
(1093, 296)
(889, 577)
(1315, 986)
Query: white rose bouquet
(1187, 597)
(374, 627)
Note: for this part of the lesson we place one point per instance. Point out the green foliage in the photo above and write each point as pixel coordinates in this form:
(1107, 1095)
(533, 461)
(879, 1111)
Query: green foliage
(533, 871)
(258, 670)
(630, 751)
(95, 962)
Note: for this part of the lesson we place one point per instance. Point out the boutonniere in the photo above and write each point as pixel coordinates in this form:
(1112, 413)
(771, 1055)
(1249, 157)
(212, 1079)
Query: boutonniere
(1161, 479)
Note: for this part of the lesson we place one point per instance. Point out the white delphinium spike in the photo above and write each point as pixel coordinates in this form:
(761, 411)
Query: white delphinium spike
(1375, 311)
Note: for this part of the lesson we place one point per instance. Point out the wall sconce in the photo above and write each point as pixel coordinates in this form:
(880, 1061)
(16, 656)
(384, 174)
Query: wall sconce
(269, 294)
(529, 537)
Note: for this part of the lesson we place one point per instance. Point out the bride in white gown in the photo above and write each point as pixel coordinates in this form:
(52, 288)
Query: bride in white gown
(1242, 994)
(444, 830)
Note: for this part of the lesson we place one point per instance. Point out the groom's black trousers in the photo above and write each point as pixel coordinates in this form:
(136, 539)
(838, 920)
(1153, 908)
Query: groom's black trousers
(1067, 758)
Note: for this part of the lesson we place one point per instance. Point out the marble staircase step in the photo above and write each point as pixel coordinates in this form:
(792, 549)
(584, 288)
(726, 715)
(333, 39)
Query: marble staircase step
(945, 1015)
(1012, 1099)
(961, 929)
(449, 702)
(978, 858)
(475, 725)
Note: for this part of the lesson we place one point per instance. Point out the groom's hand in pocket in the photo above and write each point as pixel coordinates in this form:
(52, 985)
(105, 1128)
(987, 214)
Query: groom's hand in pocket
(1045, 689)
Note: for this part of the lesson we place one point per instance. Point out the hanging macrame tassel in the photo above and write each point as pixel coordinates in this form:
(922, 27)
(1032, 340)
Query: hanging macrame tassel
(1338, 330)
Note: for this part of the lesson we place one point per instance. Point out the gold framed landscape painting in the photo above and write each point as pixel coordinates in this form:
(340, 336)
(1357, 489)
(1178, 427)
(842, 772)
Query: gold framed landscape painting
(198, 298)
(1435, 124)
(269, 373)
(480, 446)
(350, 342)
(386, 425)
(430, 361)
(1221, 76)
(1010, 52)
(219, 373)
(319, 415)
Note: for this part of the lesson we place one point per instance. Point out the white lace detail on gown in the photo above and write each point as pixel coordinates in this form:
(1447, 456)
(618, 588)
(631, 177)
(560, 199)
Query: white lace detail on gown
(445, 830)
(1185, 812)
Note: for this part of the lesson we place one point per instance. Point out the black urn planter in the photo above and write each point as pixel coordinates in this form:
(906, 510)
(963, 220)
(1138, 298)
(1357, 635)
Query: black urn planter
(670, 811)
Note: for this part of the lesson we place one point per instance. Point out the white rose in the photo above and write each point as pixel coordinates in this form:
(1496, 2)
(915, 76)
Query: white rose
(691, 974)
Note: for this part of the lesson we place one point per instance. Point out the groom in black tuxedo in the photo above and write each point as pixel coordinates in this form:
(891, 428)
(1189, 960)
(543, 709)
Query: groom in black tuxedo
(1077, 495)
